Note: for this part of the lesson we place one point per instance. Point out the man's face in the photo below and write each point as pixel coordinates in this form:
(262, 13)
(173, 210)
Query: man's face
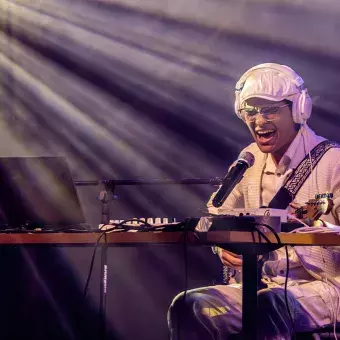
(275, 134)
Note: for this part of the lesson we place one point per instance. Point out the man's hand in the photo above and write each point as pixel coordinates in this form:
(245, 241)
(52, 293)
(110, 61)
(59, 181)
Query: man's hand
(294, 206)
(230, 259)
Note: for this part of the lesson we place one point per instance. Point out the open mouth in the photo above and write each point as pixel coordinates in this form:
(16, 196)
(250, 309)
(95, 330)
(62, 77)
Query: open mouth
(265, 136)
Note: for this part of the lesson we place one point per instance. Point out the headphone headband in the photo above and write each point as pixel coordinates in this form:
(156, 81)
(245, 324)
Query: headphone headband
(297, 80)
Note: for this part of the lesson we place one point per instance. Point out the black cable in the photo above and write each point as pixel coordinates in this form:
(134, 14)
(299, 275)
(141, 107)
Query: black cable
(92, 263)
(196, 236)
(41, 230)
(272, 230)
(123, 228)
(261, 234)
(71, 228)
(253, 236)
(286, 278)
(185, 255)
(134, 220)
(286, 296)
(122, 224)
(115, 225)
(94, 256)
(144, 227)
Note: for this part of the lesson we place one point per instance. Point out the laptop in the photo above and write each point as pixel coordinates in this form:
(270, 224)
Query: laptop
(38, 192)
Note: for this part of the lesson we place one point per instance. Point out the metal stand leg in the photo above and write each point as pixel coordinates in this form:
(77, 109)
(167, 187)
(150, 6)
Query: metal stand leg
(104, 198)
(249, 297)
(103, 290)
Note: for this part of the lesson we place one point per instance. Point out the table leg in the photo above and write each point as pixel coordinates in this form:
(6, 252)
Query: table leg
(249, 297)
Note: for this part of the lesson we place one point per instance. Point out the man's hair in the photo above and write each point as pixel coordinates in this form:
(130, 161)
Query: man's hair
(290, 103)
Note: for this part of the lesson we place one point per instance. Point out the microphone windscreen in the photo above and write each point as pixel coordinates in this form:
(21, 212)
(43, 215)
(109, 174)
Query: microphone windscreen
(247, 157)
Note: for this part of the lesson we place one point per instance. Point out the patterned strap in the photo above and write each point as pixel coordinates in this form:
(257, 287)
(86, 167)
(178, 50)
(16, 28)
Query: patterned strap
(298, 177)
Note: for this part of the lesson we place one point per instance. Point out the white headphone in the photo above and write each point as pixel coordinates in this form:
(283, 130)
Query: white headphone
(302, 103)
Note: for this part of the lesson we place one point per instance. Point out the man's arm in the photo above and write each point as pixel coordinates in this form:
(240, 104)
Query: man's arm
(233, 201)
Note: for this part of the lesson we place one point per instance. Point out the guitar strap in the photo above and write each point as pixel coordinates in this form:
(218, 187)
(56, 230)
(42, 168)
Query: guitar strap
(298, 177)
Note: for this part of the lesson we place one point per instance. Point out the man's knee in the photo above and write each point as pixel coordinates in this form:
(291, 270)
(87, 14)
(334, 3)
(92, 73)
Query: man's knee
(269, 299)
(206, 313)
(273, 320)
(199, 304)
(183, 305)
(185, 317)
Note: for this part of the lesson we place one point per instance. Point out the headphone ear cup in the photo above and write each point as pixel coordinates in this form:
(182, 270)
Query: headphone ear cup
(306, 105)
(302, 107)
(296, 109)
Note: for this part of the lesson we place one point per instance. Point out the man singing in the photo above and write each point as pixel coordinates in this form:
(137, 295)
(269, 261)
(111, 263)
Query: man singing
(274, 103)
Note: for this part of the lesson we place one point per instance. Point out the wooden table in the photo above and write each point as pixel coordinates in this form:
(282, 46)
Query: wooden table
(248, 242)
(132, 238)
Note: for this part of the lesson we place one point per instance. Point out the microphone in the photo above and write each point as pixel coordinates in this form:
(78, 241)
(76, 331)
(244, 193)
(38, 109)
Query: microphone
(234, 176)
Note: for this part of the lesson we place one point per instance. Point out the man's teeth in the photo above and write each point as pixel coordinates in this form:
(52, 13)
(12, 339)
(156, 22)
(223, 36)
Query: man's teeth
(263, 132)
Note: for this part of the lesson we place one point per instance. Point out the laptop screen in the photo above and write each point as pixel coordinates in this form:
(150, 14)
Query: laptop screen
(37, 191)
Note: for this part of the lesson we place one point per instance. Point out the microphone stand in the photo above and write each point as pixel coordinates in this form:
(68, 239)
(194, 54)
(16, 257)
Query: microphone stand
(111, 183)
(108, 189)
